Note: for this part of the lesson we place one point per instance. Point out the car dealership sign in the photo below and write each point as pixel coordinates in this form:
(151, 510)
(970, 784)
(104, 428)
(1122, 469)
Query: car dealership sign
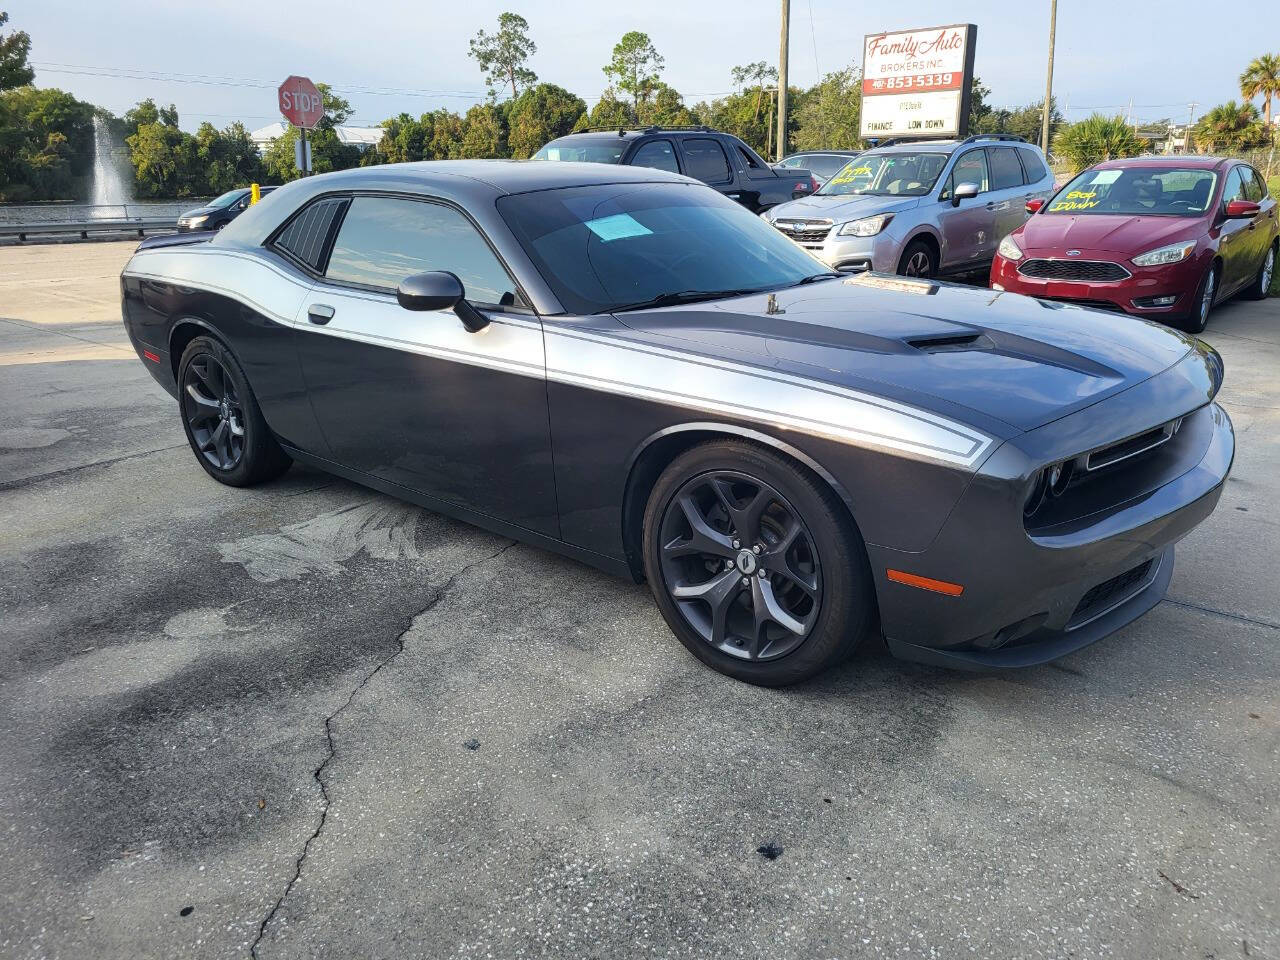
(916, 83)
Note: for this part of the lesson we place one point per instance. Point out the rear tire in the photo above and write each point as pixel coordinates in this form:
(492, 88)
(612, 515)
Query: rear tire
(773, 616)
(1205, 295)
(1261, 285)
(918, 260)
(222, 419)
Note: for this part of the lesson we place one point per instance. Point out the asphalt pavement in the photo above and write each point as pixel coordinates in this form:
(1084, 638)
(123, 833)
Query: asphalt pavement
(305, 720)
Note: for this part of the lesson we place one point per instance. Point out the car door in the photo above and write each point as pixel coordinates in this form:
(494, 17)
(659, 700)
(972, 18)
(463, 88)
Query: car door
(658, 154)
(966, 228)
(412, 397)
(1234, 236)
(1007, 199)
(1262, 229)
(705, 160)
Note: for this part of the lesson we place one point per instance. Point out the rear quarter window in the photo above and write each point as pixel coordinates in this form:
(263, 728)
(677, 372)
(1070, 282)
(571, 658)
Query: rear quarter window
(306, 236)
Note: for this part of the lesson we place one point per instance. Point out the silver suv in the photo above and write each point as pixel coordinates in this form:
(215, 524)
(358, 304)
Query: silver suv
(922, 209)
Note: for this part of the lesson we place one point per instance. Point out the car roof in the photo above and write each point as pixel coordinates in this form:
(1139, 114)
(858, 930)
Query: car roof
(823, 153)
(503, 176)
(1195, 161)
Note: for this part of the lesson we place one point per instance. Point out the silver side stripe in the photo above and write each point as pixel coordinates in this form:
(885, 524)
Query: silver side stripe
(577, 357)
(613, 366)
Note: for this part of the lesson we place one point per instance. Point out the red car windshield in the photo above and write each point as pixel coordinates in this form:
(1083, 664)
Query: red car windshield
(1138, 191)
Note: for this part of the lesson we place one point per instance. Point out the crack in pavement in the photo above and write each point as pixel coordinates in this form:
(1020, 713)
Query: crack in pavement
(1238, 617)
(329, 721)
(79, 467)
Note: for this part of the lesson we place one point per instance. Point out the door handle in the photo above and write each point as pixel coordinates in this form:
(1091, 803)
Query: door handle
(320, 313)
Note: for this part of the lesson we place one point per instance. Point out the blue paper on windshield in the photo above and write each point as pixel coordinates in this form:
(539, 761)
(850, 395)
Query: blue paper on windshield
(617, 227)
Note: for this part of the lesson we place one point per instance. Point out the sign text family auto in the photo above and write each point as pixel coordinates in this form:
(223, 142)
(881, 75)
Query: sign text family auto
(916, 82)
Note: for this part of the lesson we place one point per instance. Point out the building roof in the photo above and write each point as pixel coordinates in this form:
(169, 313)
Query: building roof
(362, 137)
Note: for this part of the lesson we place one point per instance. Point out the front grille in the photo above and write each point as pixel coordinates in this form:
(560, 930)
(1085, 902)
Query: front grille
(1109, 593)
(1085, 271)
(804, 231)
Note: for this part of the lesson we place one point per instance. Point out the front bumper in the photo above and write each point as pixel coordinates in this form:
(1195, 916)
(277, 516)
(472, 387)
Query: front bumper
(1135, 295)
(880, 253)
(1029, 592)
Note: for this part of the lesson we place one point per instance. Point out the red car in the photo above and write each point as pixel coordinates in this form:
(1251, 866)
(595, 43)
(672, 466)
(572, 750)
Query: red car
(1158, 237)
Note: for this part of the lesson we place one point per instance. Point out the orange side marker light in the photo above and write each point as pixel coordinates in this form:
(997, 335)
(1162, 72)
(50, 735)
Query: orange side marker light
(925, 583)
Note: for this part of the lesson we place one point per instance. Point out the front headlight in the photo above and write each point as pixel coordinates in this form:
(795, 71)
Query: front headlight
(1009, 248)
(866, 227)
(1173, 253)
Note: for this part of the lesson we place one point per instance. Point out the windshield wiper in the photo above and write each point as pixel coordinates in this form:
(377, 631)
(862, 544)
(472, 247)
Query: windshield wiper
(816, 277)
(683, 296)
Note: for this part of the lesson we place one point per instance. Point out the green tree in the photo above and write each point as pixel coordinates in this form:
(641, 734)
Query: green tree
(226, 159)
(1095, 139)
(46, 145)
(636, 67)
(829, 117)
(1262, 79)
(542, 113)
(502, 56)
(666, 109)
(609, 111)
(484, 133)
(1230, 126)
(162, 158)
(755, 76)
(15, 47)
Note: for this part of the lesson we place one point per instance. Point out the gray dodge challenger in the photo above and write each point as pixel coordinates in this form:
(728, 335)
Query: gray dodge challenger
(621, 365)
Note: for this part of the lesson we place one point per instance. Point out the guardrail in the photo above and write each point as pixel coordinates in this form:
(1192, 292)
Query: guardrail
(84, 220)
(84, 228)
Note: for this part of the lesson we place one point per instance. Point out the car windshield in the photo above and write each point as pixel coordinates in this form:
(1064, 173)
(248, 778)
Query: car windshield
(612, 246)
(228, 198)
(584, 149)
(887, 175)
(1137, 191)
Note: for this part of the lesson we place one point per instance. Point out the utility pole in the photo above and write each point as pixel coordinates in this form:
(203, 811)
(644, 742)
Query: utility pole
(782, 78)
(1191, 118)
(1048, 84)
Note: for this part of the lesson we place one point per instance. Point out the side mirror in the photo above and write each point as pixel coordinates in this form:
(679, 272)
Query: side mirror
(1240, 209)
(1034, 204)
(439, 290)
(965, 191)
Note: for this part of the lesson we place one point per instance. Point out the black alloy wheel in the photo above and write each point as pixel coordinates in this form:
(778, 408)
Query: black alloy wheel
(755, 563)
(740, 565)
(221, 417)
(213, 412)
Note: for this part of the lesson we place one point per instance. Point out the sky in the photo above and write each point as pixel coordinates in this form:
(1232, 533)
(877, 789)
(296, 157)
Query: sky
(221, 60)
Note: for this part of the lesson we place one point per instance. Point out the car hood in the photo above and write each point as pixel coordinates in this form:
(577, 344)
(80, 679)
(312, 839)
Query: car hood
(1108, 233)
(997, 361)
(841, 209)
(199, 212)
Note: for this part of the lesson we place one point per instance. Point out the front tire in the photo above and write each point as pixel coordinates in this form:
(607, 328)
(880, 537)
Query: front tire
(791, 598)
(1205, 295)
(222, 420)
(918, 260)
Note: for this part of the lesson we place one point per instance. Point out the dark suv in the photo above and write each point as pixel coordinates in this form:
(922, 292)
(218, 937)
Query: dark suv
(719, 160)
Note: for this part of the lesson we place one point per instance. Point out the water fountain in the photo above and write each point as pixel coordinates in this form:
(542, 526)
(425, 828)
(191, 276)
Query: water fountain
(109, 186)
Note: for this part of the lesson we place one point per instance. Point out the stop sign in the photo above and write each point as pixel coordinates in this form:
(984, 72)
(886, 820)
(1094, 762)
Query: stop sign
(300, 102)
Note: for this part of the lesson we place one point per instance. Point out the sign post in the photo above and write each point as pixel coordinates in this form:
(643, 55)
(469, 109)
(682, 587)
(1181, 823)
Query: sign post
(916, 83)
(301, 104)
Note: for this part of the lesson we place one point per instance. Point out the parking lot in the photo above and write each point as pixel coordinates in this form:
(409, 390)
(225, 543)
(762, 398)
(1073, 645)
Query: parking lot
(308, 720)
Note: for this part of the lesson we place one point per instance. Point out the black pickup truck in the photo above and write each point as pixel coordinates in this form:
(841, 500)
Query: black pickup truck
(719, 160)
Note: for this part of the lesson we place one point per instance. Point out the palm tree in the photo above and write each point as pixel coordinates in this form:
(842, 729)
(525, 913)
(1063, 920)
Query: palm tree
(1262, 79)
(1096, 139)
(1230, 126)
